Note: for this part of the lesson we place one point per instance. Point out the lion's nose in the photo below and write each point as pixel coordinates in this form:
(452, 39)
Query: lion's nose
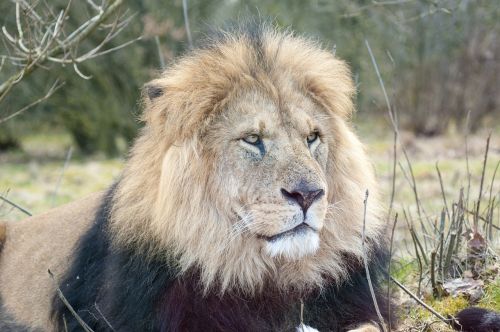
(302, 196)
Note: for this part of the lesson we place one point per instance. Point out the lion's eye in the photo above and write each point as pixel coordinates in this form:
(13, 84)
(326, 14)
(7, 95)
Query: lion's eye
(312, 137)
(252, 139)
(255, 142)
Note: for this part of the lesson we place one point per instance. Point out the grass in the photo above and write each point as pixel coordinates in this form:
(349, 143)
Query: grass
(491, 299)
(30, 178)
(450, 154)
(33, 185)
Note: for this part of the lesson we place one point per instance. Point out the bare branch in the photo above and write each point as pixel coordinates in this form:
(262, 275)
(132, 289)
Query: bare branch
(48, 42)
(59, 180)
(15, 205)
(186, 22)
(482, 181)
(365, 260)
(68, 305)
(2, 62)
(85, 77)
(56, 86)
(423, 304)
(389, 108)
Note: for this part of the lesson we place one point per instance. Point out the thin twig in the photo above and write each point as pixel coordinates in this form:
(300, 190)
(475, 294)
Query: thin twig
(413, 183)
(394, 164)
(441, 243)
(420, 266)
(365, 259)
(493, 180)
(423, 304)
(110, 50)
(6, 200)
(442, 190)
(460, 218)
(451, 246)
(473, 213)
(68, 305)
(467, 159)
(59, 180)
(381, 81)
(186, 22)
(482, 181)
(103, 317)
(160, 55)
(56, 86)
(435, 292)
(389, 269)
(489, 230)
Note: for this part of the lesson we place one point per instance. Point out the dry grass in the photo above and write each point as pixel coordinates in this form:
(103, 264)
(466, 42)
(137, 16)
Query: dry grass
(433, 195)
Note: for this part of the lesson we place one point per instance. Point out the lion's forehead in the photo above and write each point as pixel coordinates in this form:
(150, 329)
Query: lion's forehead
(291, 112)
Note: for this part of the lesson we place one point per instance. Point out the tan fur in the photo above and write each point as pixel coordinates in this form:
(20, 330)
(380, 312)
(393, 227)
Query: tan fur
(192, 212)
(33, 246)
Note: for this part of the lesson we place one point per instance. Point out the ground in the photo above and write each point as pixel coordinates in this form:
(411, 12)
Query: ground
(38, 179)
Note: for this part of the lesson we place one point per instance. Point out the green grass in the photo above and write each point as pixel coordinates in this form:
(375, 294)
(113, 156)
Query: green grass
(30, 178)
(491, 299)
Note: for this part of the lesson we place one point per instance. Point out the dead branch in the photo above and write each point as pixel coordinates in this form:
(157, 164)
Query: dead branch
(61, 296)
(42, 37)
(365, 260)
(186, 22)
(6, 200)
(56, 86)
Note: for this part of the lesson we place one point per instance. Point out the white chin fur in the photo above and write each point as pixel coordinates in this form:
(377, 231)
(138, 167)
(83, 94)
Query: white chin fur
(294, 246)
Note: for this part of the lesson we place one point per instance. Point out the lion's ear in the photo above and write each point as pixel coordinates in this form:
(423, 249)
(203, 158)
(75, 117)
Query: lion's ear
(154, 107)
(153, 91)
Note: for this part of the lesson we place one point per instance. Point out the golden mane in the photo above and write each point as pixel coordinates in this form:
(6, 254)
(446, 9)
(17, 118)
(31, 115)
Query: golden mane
(167, 200)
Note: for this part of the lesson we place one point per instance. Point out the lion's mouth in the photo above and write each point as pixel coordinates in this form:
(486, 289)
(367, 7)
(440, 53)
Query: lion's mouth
(297, 230)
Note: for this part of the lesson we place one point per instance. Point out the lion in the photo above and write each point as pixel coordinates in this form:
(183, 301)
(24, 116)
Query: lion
(242, 207)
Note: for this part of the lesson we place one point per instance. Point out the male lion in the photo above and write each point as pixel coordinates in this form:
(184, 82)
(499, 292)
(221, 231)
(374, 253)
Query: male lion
(241, 200)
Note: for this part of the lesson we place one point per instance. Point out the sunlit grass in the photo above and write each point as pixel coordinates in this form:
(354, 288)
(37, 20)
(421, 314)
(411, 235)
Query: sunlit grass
(30, 178)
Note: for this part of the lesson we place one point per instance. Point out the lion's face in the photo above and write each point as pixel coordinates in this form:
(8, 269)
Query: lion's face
(272, 162)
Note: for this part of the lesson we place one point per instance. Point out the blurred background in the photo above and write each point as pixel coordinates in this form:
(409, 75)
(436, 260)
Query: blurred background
(66, 123)
(438, 59)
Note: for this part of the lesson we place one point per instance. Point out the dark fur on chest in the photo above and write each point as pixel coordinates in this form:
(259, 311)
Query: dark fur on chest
(122, 291)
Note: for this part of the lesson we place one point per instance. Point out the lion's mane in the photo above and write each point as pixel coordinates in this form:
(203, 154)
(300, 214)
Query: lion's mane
(173, 215)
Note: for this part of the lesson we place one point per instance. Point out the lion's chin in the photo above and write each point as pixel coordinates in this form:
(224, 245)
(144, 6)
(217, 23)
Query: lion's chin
(295, 246)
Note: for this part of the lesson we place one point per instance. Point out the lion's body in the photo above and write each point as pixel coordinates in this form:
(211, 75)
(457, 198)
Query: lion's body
(242, 196)
(35, 245)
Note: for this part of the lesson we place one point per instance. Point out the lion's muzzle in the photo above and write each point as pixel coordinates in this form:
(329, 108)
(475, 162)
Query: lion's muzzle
(303, 196)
